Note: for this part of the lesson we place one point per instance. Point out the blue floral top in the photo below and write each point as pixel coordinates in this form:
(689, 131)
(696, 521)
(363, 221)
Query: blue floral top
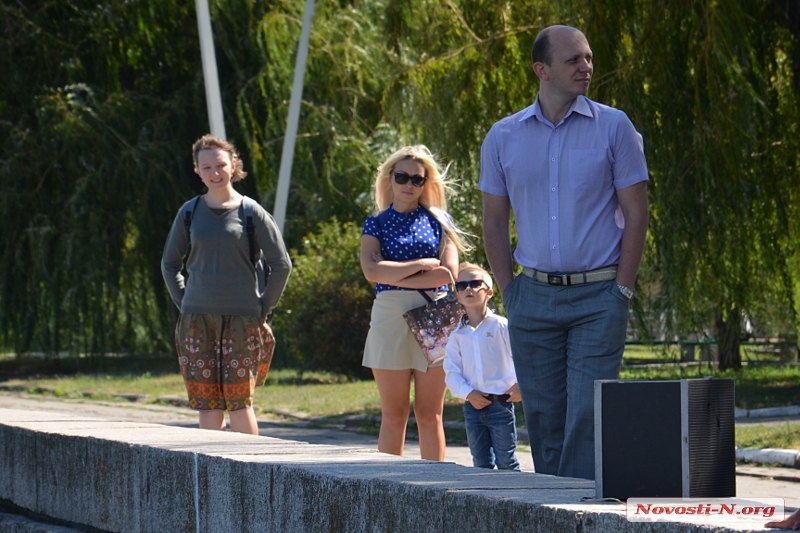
(404, 236)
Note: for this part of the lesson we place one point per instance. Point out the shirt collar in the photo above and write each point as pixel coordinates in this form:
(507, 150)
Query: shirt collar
(580, 106)
(413, 213)
(464, 318)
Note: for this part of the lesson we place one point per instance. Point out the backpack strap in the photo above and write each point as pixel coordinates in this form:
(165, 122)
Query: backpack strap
(187, 218)
(250, 227)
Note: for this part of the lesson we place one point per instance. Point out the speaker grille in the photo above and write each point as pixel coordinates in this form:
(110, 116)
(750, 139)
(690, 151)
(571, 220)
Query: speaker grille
(712, 452)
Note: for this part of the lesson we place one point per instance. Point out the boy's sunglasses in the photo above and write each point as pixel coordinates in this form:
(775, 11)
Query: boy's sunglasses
(401, 178)
(474, 284)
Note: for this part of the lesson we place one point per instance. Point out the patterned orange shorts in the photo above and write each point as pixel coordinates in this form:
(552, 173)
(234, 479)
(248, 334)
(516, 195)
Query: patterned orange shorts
(223, 358)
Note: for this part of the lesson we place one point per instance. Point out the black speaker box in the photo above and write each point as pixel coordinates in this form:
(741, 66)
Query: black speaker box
(664, 439)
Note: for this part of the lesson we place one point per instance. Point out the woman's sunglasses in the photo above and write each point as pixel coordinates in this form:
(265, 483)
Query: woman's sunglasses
(474, 284)
(401, 178)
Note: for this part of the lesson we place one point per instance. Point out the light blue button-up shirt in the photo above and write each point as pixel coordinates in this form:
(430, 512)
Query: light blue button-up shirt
(562, 181)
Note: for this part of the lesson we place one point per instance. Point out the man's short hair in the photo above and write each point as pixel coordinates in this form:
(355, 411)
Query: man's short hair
(540, 51)
(471, 267)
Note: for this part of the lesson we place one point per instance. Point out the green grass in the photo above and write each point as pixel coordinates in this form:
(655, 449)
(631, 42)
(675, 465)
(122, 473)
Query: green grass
(641, 353)
(75, 386)
(318, 395)
(309, 394)
(785, 436)
(650, 354)
(321, 394)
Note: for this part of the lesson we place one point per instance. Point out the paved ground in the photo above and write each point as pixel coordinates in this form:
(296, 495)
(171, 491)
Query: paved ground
(751, 481)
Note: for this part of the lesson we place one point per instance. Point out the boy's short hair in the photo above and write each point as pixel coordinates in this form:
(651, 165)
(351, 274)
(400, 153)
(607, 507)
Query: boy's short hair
(472, 267)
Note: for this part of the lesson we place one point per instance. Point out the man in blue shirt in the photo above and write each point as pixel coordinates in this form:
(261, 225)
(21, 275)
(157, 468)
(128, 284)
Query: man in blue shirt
(574, 173)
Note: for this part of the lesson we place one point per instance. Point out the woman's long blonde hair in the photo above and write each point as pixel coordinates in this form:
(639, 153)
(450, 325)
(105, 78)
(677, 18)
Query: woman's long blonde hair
(433, 192)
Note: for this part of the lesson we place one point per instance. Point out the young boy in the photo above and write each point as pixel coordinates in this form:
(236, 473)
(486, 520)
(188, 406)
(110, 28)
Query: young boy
(479, 369)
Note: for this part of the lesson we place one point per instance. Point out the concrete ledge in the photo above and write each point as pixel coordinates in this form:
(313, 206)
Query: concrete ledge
(127, 477)
(10, 523)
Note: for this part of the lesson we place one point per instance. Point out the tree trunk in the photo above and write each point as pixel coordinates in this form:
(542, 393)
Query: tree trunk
(728, 331)
(790, 16)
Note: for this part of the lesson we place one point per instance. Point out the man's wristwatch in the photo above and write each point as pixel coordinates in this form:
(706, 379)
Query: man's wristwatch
(626, 292)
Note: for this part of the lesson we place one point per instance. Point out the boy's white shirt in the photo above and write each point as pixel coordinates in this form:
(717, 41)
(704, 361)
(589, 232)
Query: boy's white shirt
(479, 358)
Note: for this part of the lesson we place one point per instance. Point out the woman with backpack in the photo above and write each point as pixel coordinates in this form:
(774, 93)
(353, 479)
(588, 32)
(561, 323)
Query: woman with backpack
(223, 338)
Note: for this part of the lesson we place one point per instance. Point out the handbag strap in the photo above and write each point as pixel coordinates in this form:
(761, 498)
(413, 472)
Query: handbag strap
(442, 244)
(451, 287)
(425, 295)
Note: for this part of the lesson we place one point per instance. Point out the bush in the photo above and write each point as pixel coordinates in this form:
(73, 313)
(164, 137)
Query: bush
(323, 318)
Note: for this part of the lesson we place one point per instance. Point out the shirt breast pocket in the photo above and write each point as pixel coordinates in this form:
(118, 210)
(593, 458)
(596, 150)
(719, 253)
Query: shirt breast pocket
(589, 168)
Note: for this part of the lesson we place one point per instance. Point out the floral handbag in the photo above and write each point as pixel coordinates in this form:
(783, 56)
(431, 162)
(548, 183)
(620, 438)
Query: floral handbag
(432, 324)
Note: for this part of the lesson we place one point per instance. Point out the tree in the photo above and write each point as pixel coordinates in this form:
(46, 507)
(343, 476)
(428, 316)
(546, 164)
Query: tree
(325, 311)
(97, 103)
(101, 100)
(340, 134)
(709, 87)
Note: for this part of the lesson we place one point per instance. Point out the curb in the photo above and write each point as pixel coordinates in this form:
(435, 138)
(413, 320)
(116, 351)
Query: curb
(767, 412)
(768, 456)
(787, 458)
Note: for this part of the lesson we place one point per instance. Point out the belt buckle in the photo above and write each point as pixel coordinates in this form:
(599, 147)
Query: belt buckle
(555, 280)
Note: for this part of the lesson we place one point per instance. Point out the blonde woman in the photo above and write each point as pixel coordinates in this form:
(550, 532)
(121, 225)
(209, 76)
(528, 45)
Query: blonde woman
(410, 244)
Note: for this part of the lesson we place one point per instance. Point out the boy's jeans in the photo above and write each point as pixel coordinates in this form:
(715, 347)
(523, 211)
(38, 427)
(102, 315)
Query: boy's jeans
(492, 435)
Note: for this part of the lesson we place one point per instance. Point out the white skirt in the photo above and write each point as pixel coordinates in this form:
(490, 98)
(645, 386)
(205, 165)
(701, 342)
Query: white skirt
(390, 344)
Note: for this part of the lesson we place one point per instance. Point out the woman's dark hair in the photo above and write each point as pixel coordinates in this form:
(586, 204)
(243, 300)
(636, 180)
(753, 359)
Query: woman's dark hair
(209, 142)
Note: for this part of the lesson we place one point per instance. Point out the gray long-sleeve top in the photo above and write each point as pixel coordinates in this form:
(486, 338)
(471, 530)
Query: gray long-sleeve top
(222, 280)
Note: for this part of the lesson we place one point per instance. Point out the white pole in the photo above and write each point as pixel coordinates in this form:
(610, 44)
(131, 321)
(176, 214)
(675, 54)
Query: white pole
(213, 99)
(285, 172)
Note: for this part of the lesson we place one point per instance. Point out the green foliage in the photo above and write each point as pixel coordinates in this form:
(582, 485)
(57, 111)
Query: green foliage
(100, 102)
(339, 131)
(95, 158)
(93, 127)
(719, 144)
(710, 88)
(324, 314)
